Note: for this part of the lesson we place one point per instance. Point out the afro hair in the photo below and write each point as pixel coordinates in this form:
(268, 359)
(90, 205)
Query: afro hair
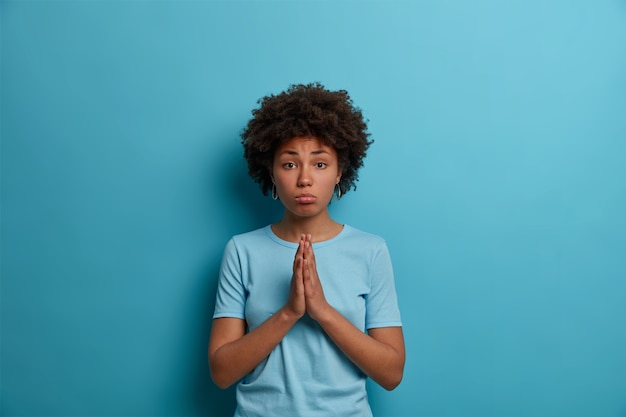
(307, 110)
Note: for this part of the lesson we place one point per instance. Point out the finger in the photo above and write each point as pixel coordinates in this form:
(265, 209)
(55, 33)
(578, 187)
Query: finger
(307, 245)
(308, 280)
(298, 278)
(299, 258)
(306, 273)
(302, 249)
(310, 254)
(311, 284)
(297, 283)
(299, 250)
(296, 260)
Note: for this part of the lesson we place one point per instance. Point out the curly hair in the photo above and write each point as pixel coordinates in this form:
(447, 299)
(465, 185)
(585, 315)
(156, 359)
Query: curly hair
(307, 110)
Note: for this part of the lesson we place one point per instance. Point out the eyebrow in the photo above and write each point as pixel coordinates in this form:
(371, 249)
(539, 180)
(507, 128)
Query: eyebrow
(317, 152)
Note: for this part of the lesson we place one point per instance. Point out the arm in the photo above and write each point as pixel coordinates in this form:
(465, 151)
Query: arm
(379, 354)
(233, 353)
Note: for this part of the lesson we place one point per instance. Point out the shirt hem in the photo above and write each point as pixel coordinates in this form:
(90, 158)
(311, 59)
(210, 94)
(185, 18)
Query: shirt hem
(231, 315)
(383, 324)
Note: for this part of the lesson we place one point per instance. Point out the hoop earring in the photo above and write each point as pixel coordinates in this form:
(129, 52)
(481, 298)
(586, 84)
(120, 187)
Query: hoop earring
(274, 193)
(338, 192)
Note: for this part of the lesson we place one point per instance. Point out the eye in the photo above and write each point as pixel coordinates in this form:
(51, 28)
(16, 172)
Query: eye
(289, 165)
(321, 165)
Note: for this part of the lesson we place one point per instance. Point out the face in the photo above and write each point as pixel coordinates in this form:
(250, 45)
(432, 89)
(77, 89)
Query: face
(305, 172)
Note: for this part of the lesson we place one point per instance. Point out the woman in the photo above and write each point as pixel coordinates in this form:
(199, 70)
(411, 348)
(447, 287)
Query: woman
(306, 308)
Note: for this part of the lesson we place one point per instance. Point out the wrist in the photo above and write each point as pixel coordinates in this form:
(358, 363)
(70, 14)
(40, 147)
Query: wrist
(324, 315)
(286, 314)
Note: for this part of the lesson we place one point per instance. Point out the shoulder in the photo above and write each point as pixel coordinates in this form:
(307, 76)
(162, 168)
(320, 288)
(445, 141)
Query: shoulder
(244, 242)
(363, 238)
(358, 243)
(251, 237)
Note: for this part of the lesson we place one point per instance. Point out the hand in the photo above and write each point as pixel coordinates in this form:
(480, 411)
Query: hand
(296, 306)
(316, 304)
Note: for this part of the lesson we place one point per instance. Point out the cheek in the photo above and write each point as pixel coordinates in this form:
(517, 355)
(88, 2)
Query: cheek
(329, 185)
(282, 179)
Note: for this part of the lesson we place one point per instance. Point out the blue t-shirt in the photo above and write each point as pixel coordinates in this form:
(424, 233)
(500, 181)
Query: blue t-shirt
(306, 374)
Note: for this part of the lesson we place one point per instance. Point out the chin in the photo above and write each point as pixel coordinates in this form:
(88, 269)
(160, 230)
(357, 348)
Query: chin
(312, 212)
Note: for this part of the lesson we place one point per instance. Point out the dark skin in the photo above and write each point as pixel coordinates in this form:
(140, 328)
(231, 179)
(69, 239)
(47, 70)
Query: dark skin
(305, 173)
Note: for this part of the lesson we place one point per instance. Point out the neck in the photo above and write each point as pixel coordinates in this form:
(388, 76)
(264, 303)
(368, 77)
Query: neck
(321, 228)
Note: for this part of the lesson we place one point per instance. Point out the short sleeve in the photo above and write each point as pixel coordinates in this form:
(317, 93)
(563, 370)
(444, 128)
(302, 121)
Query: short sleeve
(231, 295)
(382, 302)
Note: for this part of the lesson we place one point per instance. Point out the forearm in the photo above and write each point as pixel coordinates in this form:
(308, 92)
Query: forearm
(383, 362)
(233, 360)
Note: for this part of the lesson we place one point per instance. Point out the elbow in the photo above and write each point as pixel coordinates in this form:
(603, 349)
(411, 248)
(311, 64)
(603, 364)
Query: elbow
(221, 384)
(392, 386)
(392, 379)
(392, 383)
(219, 378)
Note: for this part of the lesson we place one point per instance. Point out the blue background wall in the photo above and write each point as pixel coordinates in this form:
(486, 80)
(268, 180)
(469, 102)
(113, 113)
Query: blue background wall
(497, 178)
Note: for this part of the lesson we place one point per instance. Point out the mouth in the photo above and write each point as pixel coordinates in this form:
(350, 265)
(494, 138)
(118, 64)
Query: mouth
(306, 198)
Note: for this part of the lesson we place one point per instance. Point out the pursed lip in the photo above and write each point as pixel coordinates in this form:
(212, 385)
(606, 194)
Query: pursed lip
(306, 198)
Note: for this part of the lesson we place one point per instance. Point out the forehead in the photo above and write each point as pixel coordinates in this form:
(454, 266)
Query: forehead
(303, 145)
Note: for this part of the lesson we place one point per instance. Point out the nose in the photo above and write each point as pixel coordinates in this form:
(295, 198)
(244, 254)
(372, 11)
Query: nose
(304, 177)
